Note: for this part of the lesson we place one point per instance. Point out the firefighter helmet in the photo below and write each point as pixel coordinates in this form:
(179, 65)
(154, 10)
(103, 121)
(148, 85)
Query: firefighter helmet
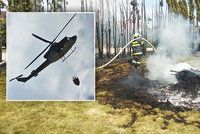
(136, 35)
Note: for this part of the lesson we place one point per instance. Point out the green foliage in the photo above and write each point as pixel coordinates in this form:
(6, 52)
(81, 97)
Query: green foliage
(33, 5)
(2, 4)
(3, 31)
(173, 6)
(197, 3)
(20, 6)
(183, 10)
(169, 3)
(37, 6)
(191, 9)
(3, 27)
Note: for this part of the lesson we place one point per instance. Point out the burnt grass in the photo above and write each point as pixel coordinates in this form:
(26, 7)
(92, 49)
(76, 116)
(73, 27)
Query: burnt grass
(133, 102)
(121, 95)
(128, 94)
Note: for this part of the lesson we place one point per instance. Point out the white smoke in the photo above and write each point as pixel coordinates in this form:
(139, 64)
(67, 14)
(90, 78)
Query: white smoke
(175, 41)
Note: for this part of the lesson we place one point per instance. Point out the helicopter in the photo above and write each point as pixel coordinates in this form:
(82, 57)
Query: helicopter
(55, 52)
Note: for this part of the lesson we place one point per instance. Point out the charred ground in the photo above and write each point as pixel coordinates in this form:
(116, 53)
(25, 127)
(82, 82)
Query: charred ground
(117, 109)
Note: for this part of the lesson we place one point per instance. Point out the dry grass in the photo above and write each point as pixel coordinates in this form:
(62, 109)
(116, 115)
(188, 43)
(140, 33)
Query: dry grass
(110, 114)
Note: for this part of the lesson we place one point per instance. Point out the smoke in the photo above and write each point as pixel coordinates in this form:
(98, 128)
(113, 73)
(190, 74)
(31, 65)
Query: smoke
(175, 41)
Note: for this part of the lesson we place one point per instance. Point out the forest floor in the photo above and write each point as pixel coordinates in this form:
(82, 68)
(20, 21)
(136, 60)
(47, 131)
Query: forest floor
(117, 109)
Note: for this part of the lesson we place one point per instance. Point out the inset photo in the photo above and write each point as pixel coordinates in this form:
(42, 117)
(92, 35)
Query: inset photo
(50, 56)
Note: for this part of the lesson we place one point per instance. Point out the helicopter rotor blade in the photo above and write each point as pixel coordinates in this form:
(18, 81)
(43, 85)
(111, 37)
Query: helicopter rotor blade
(40, 38)
(52, 41)
(64, 27)
(38, 56)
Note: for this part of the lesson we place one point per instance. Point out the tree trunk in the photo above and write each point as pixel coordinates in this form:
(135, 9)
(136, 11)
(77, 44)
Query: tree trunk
(64, 6)
(54, 5)
(102, 26)
(115, 26)
(82, 5)
(109, 29)
(145, 22)
(47, 5)
(142, 19)
(107, 45)
(152, 21)
(127, 24)
(98, 36)
(35, 5)
(1, 44)
(86, 5)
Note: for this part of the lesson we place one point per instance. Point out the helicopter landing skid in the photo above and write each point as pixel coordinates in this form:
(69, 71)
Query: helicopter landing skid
(68, 55)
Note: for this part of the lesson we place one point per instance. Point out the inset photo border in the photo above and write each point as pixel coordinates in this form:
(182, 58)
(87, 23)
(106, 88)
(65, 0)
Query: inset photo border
(50, 56)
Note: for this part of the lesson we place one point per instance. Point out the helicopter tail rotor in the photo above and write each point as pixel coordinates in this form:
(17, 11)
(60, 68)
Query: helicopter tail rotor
(15, 78)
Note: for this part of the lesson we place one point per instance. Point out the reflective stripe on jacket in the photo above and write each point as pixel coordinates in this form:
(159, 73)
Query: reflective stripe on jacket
(137, 53)
(136, 43)
(137, 47)
(136, 62)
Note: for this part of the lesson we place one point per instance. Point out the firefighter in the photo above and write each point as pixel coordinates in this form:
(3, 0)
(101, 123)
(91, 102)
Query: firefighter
(138, 51)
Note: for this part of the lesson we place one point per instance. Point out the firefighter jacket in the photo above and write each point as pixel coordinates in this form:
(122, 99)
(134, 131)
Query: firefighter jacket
(137, 47)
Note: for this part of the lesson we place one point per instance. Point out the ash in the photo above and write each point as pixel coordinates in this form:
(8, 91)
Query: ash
(185, 93)
(176, 94)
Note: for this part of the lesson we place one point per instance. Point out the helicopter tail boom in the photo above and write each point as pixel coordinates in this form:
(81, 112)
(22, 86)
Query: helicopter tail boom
(23, 79)
(34, 73)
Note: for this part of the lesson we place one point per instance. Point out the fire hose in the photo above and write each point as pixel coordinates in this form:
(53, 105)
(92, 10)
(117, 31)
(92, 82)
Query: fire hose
(124, 48)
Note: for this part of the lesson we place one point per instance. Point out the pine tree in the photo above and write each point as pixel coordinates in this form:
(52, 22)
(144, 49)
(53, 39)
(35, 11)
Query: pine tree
(2, 30)
(20, 6)
(197, 3)
(191, 10)
(2, 5)
(115, 26)
(108, 30)
(183, 10)
(173, 6)
(102, 26)
(2, 25)
(169, 3)
(82, 5)
(98, 34)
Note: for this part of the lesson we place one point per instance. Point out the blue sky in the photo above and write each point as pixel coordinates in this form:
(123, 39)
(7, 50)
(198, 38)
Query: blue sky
(55, 81)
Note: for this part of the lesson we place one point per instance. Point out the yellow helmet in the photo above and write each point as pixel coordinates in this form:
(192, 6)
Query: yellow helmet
(136, 35)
